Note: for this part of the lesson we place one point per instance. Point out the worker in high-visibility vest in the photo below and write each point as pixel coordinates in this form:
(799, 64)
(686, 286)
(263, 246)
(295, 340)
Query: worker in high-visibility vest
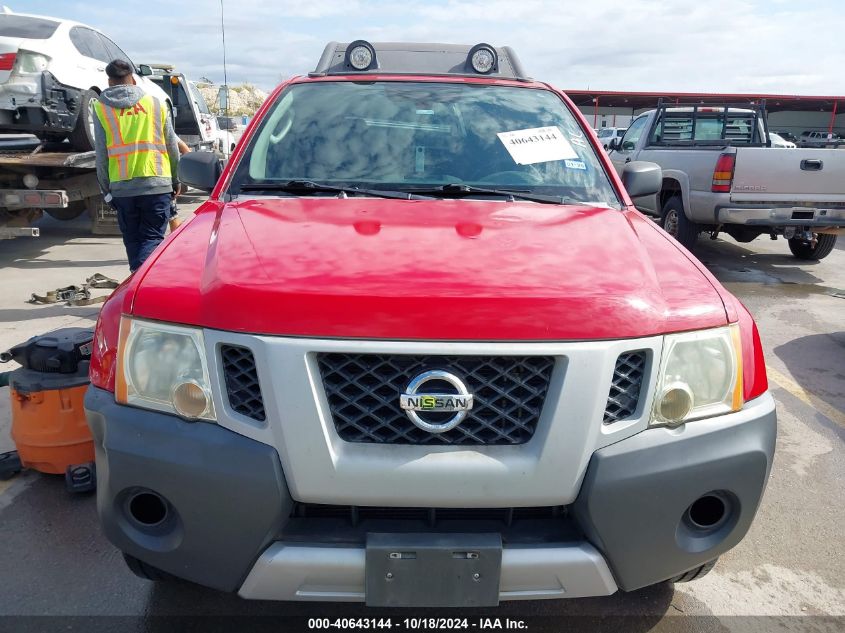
(137, 157)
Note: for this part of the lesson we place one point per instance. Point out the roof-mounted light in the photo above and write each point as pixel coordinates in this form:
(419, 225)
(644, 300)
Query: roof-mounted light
(482, 59)
(360, 55)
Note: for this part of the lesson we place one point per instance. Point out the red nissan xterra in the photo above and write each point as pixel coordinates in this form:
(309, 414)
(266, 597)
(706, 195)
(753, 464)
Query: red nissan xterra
(419, 349)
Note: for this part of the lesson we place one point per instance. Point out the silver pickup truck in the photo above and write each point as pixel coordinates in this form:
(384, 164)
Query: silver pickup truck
(720, 173)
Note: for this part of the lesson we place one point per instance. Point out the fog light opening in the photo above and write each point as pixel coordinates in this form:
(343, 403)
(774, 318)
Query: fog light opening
(707, 512)
(148, 509)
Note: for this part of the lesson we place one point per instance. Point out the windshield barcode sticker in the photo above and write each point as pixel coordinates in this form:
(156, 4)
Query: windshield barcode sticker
(537, 145)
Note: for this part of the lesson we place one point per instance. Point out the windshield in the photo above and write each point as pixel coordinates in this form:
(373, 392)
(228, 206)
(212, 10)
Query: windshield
(196, 95)
(412, 135)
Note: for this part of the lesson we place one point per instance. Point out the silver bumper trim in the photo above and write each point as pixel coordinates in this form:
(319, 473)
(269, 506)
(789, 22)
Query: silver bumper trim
(336, 574)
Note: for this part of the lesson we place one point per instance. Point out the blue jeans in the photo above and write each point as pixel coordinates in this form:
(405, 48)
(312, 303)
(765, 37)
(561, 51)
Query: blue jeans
(143, 221)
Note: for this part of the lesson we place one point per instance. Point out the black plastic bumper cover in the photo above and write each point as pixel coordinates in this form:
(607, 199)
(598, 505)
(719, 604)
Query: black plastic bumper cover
(636, 491)
(231, 500)
(228, 492)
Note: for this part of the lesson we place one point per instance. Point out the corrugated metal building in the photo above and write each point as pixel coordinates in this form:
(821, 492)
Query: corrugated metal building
(790, 113)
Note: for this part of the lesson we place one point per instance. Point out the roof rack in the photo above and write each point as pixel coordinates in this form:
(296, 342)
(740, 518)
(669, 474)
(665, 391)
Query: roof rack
(392, 58)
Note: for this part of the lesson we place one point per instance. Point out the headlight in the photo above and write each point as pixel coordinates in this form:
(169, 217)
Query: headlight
(700, 376)
(163, 367)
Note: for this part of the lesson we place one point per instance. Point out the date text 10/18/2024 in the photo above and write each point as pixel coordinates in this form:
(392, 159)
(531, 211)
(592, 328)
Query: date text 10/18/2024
(416, 624)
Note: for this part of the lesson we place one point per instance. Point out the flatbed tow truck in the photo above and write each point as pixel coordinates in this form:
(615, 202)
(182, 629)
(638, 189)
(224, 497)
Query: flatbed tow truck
(38, 177)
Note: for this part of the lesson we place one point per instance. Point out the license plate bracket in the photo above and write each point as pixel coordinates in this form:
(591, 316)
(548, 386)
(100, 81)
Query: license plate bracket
(433, 570)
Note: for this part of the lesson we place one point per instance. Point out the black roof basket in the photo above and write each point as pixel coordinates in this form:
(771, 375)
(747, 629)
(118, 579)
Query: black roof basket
(419, 59)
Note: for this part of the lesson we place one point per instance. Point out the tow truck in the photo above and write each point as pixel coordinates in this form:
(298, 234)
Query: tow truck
(38, 177)
(193, 122)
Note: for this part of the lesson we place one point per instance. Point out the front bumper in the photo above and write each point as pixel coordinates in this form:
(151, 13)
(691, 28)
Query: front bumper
(229, 506)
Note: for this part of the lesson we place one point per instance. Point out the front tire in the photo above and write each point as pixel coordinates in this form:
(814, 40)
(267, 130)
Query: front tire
(82, 136)
(695, 574)
(675, 222)
(145, 571)
(805, 250)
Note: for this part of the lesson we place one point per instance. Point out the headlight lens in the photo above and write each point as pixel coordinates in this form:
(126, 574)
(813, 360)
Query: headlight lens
(163, 367)
(700, 376)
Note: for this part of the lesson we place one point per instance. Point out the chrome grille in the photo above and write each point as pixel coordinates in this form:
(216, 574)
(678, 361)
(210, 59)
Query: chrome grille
(242, 386)
(363, 393)
(626, 386)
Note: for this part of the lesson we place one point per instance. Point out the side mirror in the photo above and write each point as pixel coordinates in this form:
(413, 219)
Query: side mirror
(200, 170)
(613, 145)
(642, 178)
(144, 70)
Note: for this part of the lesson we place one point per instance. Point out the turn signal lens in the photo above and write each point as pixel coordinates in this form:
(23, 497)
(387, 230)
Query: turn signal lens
(190, 400)
(675, 403)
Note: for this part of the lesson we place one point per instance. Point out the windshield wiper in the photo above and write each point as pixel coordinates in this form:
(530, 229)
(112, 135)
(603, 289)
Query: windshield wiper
(308, 187)
(458, 190)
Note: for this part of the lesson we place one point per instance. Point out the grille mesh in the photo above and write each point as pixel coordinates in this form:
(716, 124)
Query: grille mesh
(626, 386)
(242, 382)
(363, 393)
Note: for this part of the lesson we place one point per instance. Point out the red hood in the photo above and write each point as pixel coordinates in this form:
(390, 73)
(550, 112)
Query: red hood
(444, 269)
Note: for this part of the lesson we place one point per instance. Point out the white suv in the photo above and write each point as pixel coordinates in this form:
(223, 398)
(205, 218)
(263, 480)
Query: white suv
(608, 134)
(50, 69)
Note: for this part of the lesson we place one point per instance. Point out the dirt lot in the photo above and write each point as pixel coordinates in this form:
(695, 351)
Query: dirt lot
(56, 562)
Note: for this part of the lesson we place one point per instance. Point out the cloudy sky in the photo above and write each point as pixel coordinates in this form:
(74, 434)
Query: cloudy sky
(774, 46)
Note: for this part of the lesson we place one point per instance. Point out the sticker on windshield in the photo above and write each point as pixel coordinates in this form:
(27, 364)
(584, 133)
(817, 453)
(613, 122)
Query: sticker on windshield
(537, 145)
(575, 164)
(578, 139)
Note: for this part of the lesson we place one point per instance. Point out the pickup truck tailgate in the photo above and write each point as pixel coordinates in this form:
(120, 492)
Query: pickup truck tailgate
(789, 175)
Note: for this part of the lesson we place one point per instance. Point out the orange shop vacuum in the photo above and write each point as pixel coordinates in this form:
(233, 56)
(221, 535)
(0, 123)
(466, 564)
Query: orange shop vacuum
(48, 416)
